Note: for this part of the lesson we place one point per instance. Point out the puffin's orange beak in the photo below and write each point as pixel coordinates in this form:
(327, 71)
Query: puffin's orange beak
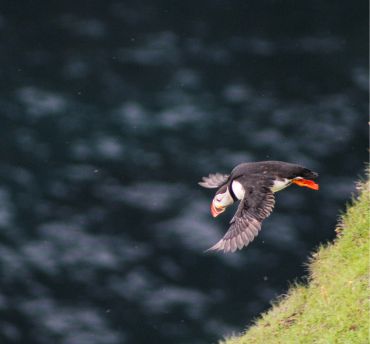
(215, 211)
(307, 183)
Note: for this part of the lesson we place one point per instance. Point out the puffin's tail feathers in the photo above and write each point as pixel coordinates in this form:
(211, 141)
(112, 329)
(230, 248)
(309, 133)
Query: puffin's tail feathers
(306, 173)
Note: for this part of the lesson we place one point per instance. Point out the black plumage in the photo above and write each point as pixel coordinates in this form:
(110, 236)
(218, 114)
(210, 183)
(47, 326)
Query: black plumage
(257, 180)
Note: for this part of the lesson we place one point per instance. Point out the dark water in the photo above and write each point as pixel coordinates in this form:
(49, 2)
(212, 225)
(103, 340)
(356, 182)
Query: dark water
(110, 114)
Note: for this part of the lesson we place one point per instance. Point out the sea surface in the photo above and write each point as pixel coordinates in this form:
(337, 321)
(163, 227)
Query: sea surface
(112, 111)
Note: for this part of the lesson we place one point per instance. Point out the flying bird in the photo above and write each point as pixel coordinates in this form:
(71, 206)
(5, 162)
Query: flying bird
(254, 185)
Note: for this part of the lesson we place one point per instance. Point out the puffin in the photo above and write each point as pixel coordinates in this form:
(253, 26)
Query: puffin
(253, 184)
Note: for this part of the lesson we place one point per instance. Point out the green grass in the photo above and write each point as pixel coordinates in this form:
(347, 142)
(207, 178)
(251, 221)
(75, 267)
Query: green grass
(334, 306)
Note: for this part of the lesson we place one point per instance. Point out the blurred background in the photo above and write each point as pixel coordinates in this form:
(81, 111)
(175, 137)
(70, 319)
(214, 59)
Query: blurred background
(112, 111)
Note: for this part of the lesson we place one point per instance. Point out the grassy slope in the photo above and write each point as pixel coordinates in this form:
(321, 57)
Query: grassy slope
(333, 307)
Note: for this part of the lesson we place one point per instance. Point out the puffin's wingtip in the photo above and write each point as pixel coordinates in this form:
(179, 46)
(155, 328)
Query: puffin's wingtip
(218, 247)
(232, 247)
(221, 246)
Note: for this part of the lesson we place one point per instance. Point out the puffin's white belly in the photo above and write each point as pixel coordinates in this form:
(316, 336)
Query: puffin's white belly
(280, 185)
(238, 189)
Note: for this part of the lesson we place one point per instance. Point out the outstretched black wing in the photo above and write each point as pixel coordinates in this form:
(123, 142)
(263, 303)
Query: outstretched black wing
(214, 180)
(257, 204)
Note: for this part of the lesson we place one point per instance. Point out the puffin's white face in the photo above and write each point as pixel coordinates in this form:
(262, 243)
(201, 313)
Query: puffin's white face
(220, 202)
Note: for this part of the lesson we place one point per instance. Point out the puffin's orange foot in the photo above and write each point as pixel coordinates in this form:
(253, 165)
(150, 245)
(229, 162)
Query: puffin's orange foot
(306, 182)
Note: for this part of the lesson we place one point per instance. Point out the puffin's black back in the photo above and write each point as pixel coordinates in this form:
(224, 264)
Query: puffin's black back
(278, 169)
